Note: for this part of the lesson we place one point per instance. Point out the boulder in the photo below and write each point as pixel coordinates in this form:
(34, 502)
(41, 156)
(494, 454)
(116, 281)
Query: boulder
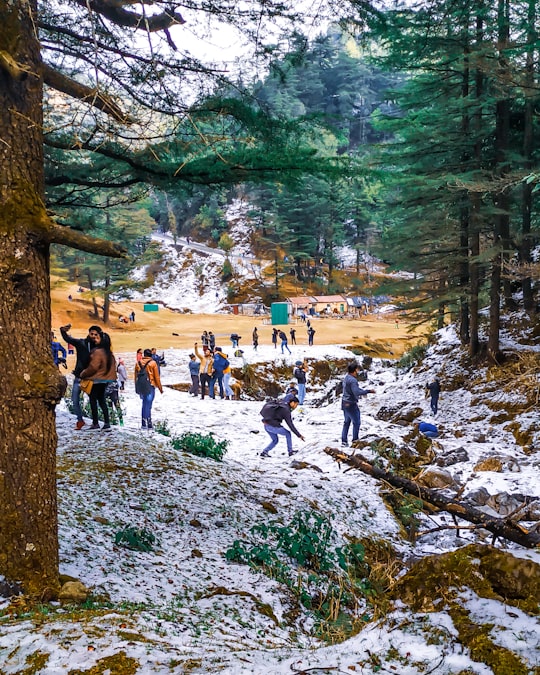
(433, 477)
(453, 457)
(489, 464)
(73, 592)
(478, 497)
(504, 503)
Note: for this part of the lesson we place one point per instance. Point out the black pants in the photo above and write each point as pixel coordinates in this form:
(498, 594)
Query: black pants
(97, 395)
(205, 381)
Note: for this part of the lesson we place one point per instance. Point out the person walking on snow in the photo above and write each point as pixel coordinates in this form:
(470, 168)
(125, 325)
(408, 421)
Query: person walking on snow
(349, 403)
(284, 345)
(121, 373)
(433, 390)
(273, 414)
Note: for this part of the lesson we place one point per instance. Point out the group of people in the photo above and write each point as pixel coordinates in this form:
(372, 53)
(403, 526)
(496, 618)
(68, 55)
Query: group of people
(281, 337)
(208, 368)
(98, 373)
(274, 413)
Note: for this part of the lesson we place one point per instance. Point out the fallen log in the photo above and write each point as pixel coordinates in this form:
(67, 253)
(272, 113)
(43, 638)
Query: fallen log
(501, 527)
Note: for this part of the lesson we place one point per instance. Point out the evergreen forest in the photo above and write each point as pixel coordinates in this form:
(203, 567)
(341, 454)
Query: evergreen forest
(414, 141)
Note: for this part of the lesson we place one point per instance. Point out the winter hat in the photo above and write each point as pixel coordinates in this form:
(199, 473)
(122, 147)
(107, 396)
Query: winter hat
(298, 363)
(192, 356)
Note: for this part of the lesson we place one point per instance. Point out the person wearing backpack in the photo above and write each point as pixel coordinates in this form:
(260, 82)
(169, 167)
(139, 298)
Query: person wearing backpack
(273, 414)
(219, 365)
(147, 380)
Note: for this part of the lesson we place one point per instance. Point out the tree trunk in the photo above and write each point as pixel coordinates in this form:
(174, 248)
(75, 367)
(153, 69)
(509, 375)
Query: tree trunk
(501, 527)
(464, 214)
(31, 384)
(501, 223)
(95, 312)
(528, 145)
(475, 220)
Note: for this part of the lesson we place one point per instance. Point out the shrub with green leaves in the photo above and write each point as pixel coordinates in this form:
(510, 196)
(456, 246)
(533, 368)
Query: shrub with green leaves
(412, 357)
(162, 428)
(201, 445)
(135, 538)
(305, 555)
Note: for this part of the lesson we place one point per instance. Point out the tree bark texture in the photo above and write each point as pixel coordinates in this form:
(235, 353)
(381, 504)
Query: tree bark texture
(31, 384)
(501, 527)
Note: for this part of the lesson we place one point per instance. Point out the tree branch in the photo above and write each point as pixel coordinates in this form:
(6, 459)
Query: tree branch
(11, 67)
(121, 17)
(90, 95)
(82, 242)
(501, 527)
(91, 183)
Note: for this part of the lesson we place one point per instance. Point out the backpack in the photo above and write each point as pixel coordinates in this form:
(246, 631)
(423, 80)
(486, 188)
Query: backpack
(268, 409)
(220, 362)
(142, 382)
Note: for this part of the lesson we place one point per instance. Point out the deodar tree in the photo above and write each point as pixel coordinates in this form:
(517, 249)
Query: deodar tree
(96, 94)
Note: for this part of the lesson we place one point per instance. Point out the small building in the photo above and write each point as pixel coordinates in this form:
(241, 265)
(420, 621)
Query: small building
(330, 304)
(302, 303)
(358, 305)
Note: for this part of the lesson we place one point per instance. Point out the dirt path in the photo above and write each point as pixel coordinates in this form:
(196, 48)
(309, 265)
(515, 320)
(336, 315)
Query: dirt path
(377, 335)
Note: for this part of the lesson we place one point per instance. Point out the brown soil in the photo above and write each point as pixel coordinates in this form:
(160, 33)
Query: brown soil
(375, 335)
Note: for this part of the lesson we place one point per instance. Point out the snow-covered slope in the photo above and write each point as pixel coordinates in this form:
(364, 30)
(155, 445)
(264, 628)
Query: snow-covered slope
(184, 608)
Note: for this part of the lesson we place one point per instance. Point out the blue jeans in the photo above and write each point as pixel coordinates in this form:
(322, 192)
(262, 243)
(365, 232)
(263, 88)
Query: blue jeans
(351, 413)
(434, 404)
(211, 385)
(275, 433)
(147, 404)
(226, 380)
(76, 398)
(301, 392)
(284, 344)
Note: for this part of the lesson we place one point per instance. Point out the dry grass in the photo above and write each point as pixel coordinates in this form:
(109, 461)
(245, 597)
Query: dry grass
(155, 329)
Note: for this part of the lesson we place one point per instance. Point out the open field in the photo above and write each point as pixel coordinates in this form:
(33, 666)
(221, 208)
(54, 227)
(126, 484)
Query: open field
(377, 335)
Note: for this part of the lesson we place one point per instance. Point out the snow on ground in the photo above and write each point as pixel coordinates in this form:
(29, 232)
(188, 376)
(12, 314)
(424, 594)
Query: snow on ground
(184, 607)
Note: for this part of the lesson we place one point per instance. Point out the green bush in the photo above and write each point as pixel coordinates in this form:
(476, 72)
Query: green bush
(325, 577)
(135, 538)
(201, 445)
(162, 428)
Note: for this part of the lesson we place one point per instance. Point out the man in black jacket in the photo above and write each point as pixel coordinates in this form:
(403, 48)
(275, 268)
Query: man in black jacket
(82, 349)
(273, 415)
